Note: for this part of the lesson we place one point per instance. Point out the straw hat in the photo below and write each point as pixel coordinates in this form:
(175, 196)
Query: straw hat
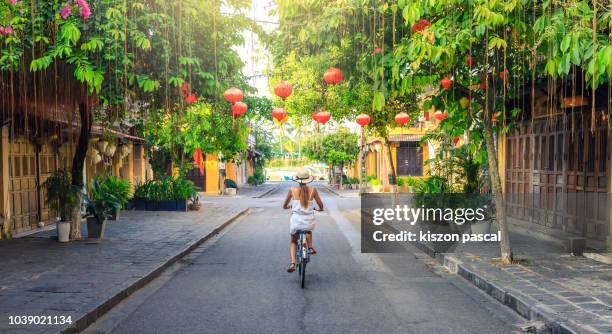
(303, 176)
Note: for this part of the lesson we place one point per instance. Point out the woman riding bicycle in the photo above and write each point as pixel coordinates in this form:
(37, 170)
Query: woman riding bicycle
(299, 200)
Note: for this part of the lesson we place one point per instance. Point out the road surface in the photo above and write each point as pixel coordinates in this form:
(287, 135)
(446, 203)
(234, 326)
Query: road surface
(238, 283)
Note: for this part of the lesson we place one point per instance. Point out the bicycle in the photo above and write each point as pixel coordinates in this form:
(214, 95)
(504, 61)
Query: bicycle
(303, 255)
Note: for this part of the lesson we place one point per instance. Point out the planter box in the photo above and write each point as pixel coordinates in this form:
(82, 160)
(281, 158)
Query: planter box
(140, 203)
(167, 205)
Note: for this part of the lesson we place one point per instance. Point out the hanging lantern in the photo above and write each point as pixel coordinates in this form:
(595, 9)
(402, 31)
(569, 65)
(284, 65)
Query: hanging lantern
(283, 89)
(333, 76)
(323, 116)
(279, 114)
(363, 119)
(446, 82)
(96, 158)
(503, 74)
(110, 150)
(427, 116)
(440, 116)
(191, 98)
(402, 118)
(198, 159)
(185, 89)
(102, 145)
(239, 109)
(464, 102)
(470, 61)
(233, 95)
(455, 140)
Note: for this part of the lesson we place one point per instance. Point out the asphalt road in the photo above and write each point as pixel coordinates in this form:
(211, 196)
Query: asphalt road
(238, 284)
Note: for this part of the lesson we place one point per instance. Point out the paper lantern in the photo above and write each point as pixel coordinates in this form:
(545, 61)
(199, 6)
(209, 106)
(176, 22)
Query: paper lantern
(279, 114)
(233, 95)
(333, 76)
(446, 82)
(283, 89)
(363, 119)
(440, 116)
(239, 109)
(323, 116)
(402, 118)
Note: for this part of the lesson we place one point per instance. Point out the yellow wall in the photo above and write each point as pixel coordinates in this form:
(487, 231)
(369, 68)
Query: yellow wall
(501, 159)
(212, 174)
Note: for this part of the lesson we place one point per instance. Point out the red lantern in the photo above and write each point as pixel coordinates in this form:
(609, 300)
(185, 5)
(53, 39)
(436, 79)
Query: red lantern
(503, 74)
(185, 89)
(440, 116)
(402, 118)
(333, 76)
(417, 27)
(446, 82)
(198, 159)
(323, 117)
(483, 85)
(283, 89)
(233, 95)
(424, 23)
(455, 140)
(427, 116)
(279, 114)
(239, 108)
(470, 61)
(191, 98)
(363, 119)
(377, 50)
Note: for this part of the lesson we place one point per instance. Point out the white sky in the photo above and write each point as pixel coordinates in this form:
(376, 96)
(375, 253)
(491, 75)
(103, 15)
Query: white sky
(255, 56)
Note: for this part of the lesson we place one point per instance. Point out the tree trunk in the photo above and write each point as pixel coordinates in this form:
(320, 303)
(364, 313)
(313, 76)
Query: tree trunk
(78, 163)
(393, 172)
(500, 209)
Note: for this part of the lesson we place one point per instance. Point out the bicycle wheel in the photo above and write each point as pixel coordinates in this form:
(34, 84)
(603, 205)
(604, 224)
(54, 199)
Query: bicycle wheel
(303, 272)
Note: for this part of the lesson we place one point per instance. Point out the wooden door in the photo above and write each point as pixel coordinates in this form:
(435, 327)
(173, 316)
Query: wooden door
(23, 186)
(409, 158)
(47, 164)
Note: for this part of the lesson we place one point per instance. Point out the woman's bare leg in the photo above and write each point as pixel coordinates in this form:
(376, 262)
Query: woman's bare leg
(309, 238)
(292, 250)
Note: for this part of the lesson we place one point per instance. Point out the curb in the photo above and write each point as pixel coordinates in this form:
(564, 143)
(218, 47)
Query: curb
(92, 315)
(525, 306)
(267, 192)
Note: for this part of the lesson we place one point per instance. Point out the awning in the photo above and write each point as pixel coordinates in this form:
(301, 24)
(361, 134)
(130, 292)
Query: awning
(404, 137)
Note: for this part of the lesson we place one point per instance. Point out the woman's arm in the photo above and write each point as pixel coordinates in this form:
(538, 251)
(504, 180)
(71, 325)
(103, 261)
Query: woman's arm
(315, 195)
(287, 200)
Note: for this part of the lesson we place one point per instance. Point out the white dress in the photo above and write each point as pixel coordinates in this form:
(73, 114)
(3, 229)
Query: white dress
(301, 218)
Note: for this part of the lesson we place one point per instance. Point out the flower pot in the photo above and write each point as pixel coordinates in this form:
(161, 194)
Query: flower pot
(151, 205)
(482, 227)
(114, 215)
(63, 231)
(166, 205)
(95, 230)
(195, 207)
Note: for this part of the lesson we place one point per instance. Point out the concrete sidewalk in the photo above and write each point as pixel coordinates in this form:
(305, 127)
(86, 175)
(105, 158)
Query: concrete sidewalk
(41, 277)
(569, 294)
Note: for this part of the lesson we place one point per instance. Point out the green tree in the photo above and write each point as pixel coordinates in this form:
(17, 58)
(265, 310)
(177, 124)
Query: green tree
(336, 149)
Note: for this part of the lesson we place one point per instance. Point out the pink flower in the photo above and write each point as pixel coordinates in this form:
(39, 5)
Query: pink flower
(8, 30)
(65, 11)
(85, 10)
(12, 2)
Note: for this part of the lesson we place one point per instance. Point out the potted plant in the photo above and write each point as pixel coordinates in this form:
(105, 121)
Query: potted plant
(195, 204)
(118, 187)
(230, 187)
(182, 190)
(401, 184)
(375, 185)
(100, 204)
(61, 198)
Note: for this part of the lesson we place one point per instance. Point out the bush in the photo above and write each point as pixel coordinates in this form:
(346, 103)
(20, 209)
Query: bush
(103, 200)
(61, 194)
(257, 178)
(166, 188)
(401, 181)
(118, 187)
(375, 182)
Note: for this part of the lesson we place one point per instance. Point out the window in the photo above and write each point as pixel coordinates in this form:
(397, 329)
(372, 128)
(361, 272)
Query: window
(409, 157)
